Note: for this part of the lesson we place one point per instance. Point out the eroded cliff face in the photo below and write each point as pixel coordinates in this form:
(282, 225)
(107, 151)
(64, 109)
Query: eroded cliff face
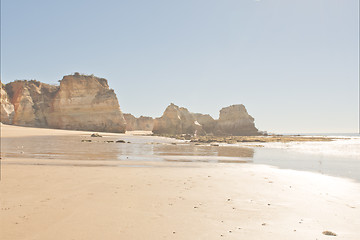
(138, 124)
(86, 103)
(235, 121)
(145, 123)
(130, 121)
(206, 121)
(176, 120)
(81, 102)
(6, 107)
(32, 102)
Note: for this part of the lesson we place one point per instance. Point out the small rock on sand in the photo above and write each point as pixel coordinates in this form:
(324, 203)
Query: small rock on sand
(95, 135)
(329, 233)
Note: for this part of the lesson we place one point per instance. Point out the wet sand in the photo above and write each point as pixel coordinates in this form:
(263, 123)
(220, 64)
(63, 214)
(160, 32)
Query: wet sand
(91, 199)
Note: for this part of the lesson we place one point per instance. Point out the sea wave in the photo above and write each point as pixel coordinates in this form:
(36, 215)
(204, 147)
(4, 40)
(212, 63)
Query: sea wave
(341, 146)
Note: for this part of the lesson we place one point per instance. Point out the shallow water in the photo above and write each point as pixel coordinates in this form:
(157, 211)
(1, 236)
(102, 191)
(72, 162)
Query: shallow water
(337, 158)
(135, 148)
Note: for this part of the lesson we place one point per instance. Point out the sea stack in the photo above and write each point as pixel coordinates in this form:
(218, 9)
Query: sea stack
(235, 121)
(177, 120)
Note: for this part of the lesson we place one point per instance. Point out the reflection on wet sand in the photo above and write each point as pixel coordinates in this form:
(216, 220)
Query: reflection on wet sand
(201, 153)
(132, 148)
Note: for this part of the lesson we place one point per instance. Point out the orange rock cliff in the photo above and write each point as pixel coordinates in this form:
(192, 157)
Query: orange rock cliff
(81, 102)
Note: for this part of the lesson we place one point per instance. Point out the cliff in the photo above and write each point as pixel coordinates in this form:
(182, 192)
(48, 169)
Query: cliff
(81, 102)
(235, 121)
(206, 121)
(32, 102)
(86, 103)
(176, 120)
(130, 121)
(6, 107)
(138, 124)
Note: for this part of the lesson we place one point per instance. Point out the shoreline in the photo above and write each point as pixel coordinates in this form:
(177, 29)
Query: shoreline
(249, 139)
(12, 131)
(170, 200)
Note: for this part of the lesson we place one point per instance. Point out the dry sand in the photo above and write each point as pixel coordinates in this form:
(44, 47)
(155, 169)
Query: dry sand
(187, 201)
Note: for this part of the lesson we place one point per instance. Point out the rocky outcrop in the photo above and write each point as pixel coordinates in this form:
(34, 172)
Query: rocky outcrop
(138, 124)
(177, 120)
(86, 103)
(206, 121)
(7, 108)
(144, 123)
(81, 102)
(130, 121)
(235, 121)
(32, 102)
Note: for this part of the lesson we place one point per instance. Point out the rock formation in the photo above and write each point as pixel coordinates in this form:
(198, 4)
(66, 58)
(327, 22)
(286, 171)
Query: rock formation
(32, 102)
(176, 120)
(235, 121)
(81, 102)
(138, 124)
(7, 108)
(206, 121)
(144, 123)
(130, 121)
(86, 103)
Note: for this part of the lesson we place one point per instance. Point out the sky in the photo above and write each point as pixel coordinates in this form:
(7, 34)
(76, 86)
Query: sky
(293, 64)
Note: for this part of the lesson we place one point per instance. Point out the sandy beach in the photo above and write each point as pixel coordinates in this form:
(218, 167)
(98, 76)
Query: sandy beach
(90, 200)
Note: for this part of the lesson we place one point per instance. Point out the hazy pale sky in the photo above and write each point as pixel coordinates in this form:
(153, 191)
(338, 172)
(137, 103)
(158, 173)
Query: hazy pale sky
(293, 64)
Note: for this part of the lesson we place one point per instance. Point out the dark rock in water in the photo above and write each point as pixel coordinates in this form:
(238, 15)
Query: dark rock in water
(109, 141)
(187, 136)
(85, 140)
(120, 141)
(95, 135)
(328, 233)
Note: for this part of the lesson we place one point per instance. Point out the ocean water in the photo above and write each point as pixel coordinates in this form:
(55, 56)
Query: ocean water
(340, 157)
(337, 158)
